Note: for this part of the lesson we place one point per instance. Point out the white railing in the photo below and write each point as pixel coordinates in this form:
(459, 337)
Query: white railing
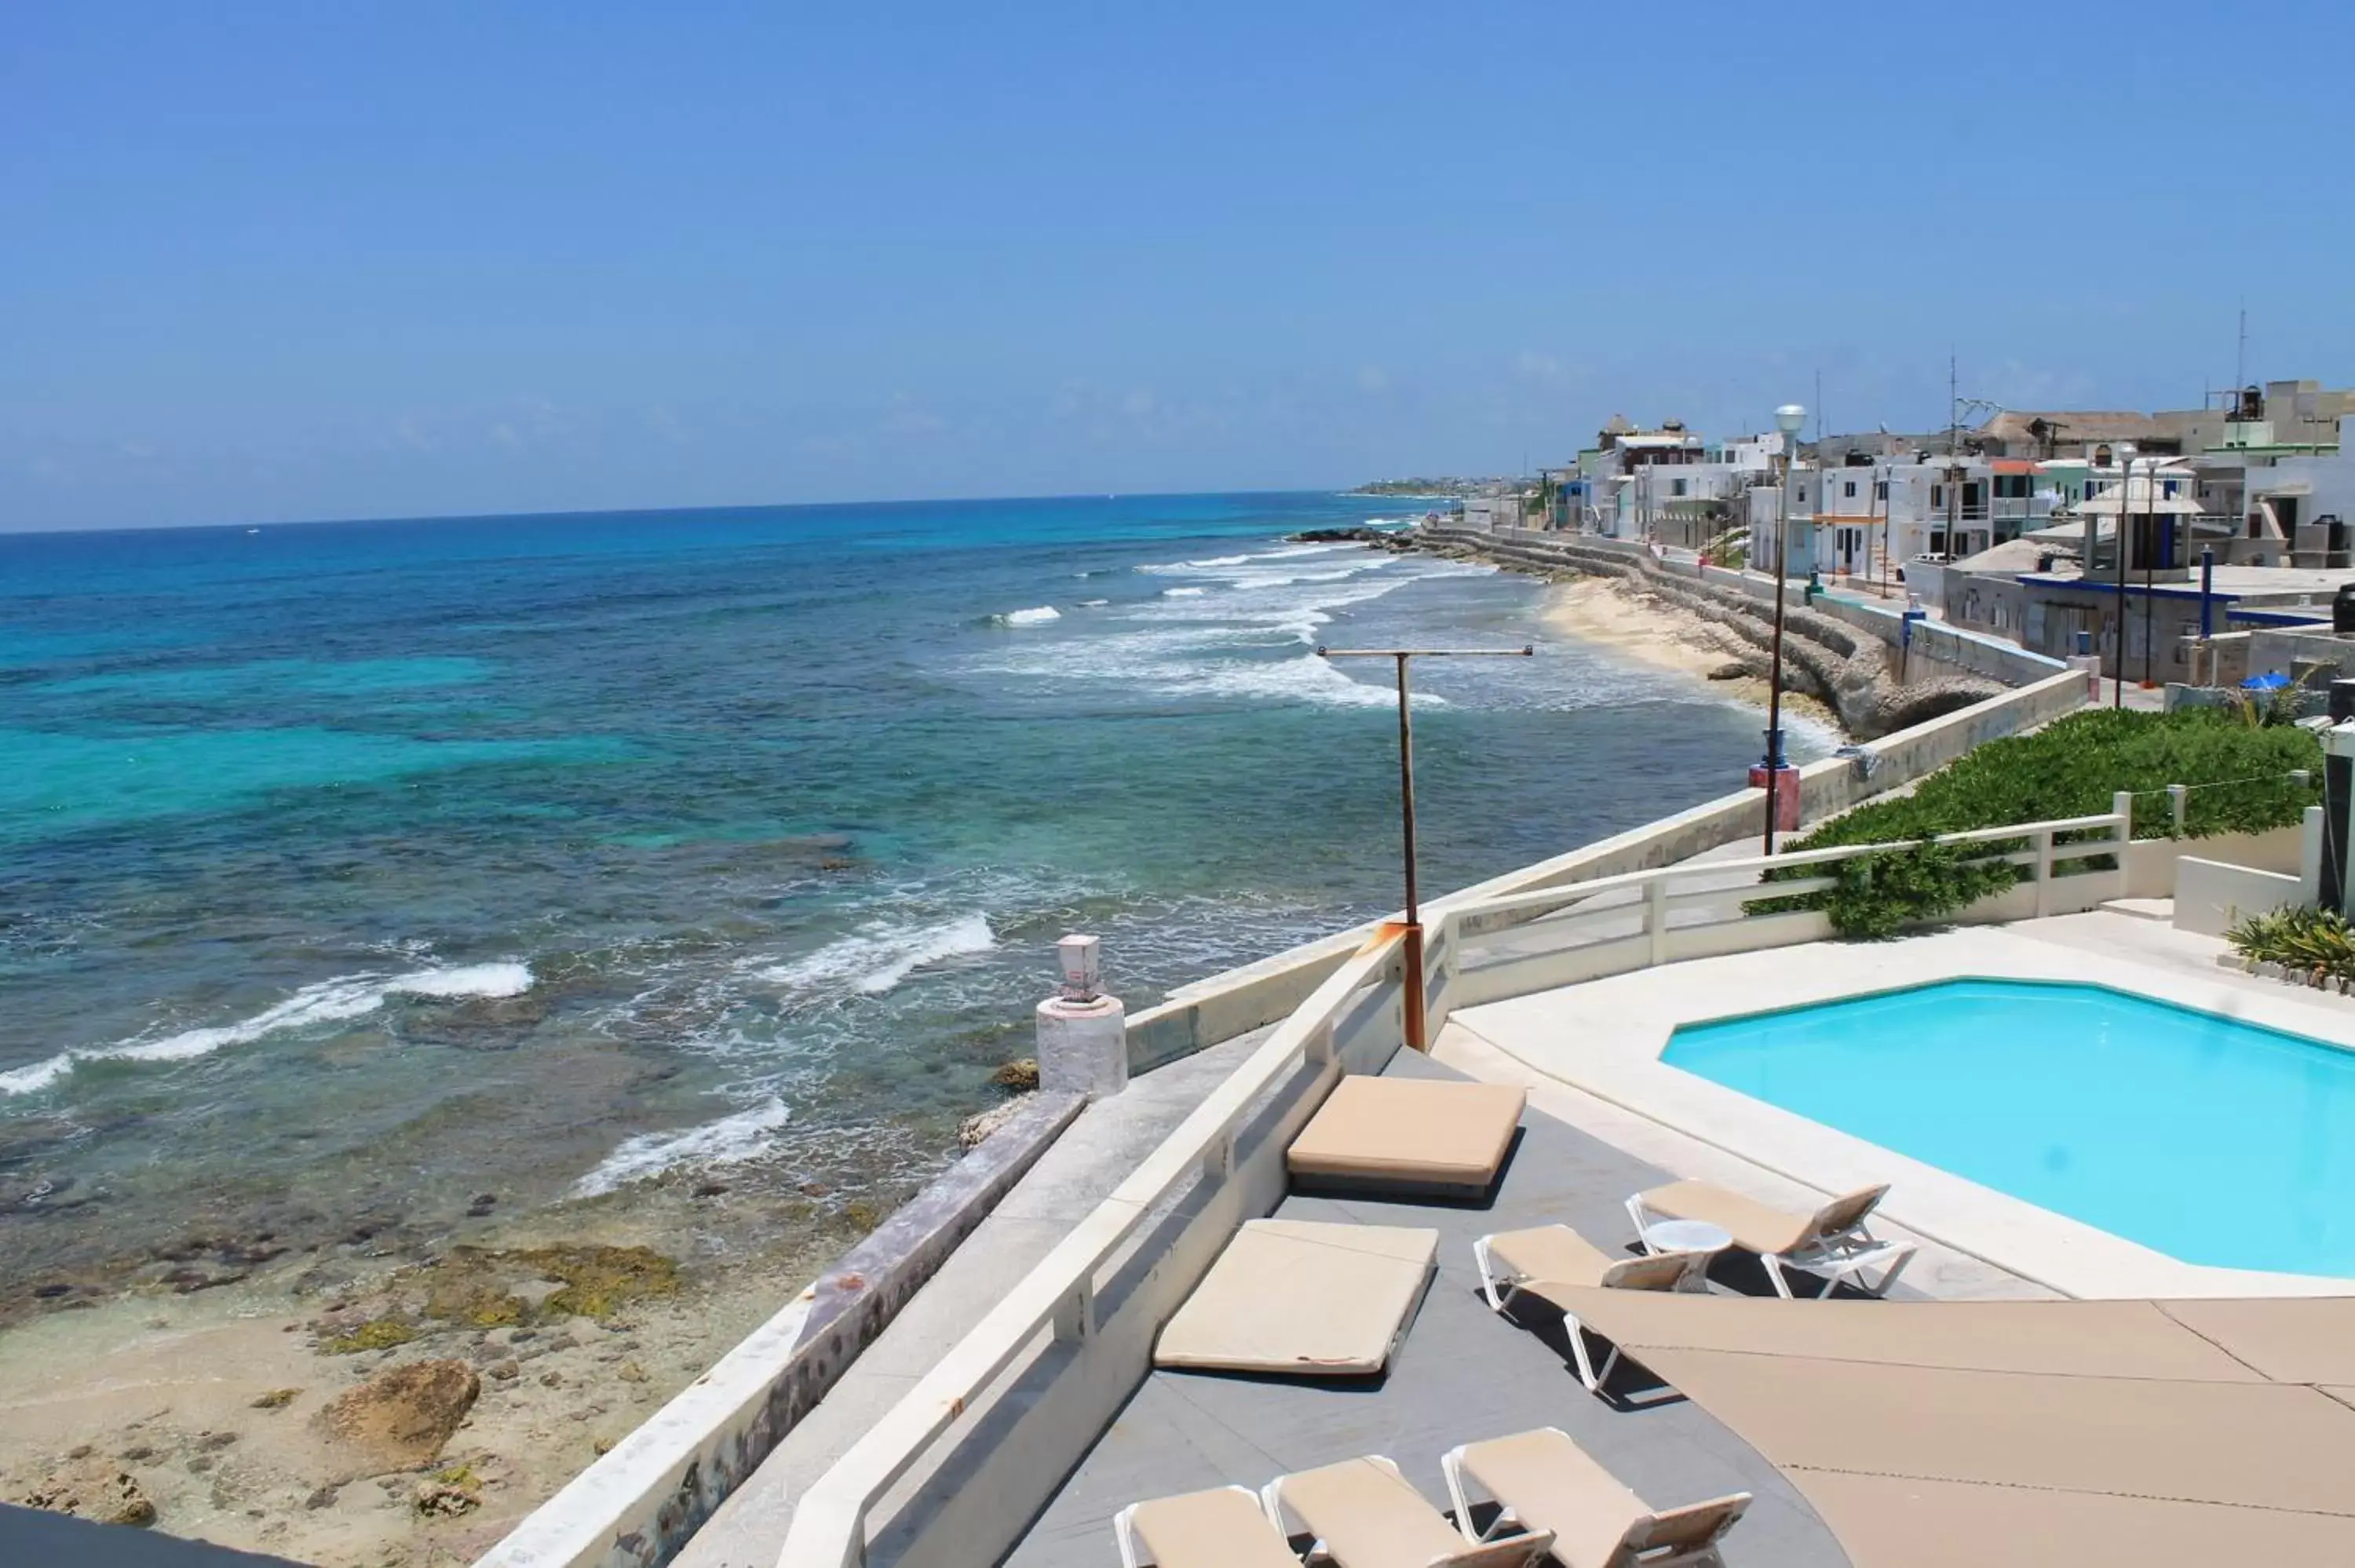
(1494, 949)
(1226, 1162)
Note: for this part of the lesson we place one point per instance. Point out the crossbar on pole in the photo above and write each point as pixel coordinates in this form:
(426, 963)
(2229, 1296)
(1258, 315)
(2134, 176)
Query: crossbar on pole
(1416, 1020)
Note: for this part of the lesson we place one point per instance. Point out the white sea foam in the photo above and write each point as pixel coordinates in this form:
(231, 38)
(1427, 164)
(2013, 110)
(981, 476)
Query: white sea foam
(39, 1076)
(1188, 641)
(328, 1001)
(880, 954)
(1094, 603)
(728, 1142)
(1035, 617)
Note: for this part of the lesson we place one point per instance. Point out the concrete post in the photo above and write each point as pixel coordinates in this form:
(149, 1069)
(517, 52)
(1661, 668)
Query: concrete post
(2178, 796)
(2086, 659)
(1082, 1034)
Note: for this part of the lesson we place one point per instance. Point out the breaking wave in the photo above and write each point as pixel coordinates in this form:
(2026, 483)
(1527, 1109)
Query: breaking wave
(728, 1142)
(328, 1001)
(880, 955)
(1039, 616)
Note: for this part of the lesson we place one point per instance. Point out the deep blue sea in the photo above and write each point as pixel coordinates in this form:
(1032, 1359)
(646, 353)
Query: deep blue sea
(361, 868)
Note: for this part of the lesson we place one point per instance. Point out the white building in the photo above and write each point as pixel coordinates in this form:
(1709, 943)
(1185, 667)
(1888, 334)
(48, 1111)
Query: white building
(1867, 519)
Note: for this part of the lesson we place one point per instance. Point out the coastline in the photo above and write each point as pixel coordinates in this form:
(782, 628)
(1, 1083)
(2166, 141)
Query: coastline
(553, 1335)
(1607, 613)
(197, 1377)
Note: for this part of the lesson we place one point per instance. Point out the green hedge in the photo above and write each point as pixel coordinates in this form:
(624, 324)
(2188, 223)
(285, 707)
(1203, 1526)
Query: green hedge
(2239, 782)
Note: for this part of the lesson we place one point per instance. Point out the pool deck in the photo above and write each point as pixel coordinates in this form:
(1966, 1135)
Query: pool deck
(1462, 1373)
(1591, 1052)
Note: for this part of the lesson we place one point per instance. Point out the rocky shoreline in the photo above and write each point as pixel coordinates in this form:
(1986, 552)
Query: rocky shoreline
(1825, 660)
(387, 1393)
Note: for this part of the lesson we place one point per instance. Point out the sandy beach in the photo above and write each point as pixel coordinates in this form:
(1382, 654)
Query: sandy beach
(1610, 613)
(389, 1405)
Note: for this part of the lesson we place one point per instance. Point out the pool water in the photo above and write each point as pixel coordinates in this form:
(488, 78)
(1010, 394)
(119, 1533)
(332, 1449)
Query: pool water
(2212, 1140)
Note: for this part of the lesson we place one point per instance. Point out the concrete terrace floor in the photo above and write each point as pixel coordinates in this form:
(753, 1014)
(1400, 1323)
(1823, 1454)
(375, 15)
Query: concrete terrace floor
(1462, 1374)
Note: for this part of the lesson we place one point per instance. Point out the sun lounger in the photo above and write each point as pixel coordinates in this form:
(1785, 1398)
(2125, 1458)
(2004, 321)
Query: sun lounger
(1222, 1528)
(1545, 1483)
(1365, 1514)
(1511, 1261)
(1832, 1242)
(1406, 1135)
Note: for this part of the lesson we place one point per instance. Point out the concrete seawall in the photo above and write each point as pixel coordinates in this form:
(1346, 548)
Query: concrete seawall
(1832, 654)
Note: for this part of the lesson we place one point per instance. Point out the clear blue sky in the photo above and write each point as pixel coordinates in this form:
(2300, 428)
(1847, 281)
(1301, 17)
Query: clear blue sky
(275, 260)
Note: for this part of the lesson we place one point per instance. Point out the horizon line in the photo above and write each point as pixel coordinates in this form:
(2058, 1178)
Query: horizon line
(721, 506)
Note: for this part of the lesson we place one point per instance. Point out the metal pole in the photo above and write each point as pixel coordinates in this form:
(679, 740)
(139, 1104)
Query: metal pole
(1413, 955)
(2147, 538)
(1774, 679)
(1881, 498)
(2118, 662)
(1417, 1021)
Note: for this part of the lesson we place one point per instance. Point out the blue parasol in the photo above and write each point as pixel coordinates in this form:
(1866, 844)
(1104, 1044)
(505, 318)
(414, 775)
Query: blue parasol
(2271, 681)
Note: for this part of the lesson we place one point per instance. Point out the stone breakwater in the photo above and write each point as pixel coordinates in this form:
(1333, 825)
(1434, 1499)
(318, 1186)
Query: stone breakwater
(1849, 672)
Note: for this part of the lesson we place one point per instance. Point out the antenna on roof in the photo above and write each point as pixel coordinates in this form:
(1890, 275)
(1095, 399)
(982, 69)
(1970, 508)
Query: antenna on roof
(2241, 353)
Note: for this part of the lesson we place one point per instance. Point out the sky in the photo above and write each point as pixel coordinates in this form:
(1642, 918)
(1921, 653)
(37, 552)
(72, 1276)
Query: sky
(268, 261)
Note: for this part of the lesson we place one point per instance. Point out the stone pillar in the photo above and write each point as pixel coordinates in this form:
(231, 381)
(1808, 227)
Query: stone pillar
(1082, 1034)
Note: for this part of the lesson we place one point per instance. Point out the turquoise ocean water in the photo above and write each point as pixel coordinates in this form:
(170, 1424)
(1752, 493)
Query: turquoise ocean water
(363, 869)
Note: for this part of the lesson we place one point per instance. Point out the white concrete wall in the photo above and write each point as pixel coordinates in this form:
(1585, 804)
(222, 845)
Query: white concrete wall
(2211, 896)
(2153, 864)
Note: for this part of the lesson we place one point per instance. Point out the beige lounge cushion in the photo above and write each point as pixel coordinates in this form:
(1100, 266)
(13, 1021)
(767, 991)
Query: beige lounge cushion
(1304, 1297)
(1368, 1518)
(1552, 1484)
(1550, 1252)
(1223, 1528)
(1552, 1256)
(1410, 1130)
(1761, 1227)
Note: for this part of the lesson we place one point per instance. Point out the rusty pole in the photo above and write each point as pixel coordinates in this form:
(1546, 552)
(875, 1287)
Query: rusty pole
(1416, 1014)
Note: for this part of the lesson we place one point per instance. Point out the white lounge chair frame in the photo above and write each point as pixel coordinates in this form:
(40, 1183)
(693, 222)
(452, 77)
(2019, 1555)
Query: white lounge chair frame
(1451, 1466)
(1501, 1286)
(1123, 1527)
(1835, 1257)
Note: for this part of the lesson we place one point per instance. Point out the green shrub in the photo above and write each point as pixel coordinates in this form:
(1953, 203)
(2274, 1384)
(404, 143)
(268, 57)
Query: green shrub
(2239, 778)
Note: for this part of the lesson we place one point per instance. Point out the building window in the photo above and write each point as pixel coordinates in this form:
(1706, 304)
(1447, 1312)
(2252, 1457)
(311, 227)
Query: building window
(1851, 488)
(1675, 487)
(1937, 495)
(1880, 489)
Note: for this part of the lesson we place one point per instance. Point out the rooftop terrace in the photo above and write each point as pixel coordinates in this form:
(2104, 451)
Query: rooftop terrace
(1462, 1374)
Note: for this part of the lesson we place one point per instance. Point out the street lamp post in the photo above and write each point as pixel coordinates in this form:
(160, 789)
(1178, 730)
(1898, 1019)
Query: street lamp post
(2125, 452)
(1412, 957)
(1789, 418)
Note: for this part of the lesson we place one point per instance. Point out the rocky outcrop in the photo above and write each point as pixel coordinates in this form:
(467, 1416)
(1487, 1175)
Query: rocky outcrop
(92, 1489)
(400, 1419)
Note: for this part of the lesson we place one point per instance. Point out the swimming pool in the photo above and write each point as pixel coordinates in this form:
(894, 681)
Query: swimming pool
(2212, 1140)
